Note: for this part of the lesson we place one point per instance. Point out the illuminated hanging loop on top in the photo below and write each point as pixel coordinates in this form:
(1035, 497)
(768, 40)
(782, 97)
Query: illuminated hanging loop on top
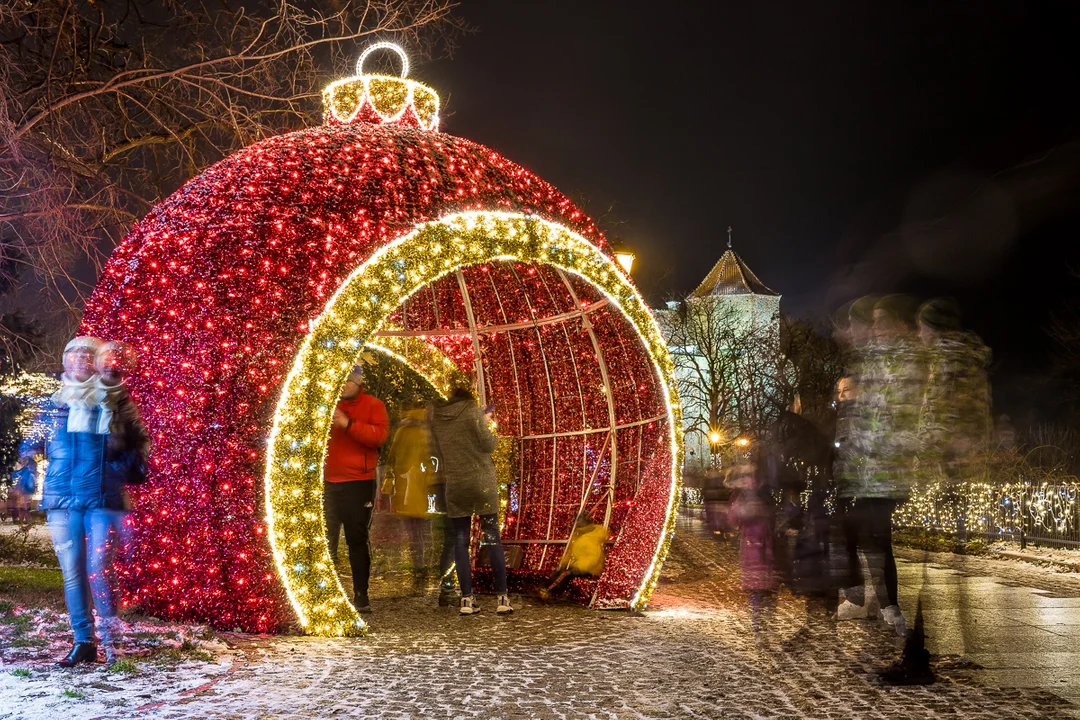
(381, 99)
(385, 45)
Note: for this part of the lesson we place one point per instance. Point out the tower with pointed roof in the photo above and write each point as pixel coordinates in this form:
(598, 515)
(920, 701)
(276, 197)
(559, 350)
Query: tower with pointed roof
(736, 298)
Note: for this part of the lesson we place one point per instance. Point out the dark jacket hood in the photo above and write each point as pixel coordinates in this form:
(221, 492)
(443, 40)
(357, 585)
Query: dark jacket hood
(453, 409)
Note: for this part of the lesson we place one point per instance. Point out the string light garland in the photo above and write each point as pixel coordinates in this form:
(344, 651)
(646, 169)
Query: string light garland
(384, 45)
(251, 291)
(1049, 510)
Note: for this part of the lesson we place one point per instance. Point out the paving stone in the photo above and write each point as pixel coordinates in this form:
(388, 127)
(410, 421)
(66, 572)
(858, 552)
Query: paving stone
(692, 654)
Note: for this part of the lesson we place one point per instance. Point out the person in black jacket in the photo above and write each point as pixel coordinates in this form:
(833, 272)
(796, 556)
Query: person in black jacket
(797, 459)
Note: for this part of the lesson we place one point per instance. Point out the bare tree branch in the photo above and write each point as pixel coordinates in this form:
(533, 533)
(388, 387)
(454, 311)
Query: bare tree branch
(106, 107)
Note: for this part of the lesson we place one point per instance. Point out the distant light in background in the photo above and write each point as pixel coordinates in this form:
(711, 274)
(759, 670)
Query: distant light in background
(626, 259)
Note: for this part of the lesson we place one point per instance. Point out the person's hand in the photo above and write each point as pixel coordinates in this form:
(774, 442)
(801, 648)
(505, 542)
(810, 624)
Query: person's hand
(340, 418)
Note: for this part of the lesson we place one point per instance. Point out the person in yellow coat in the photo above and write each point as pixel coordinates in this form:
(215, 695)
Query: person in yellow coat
(584, 557)
(409, 484)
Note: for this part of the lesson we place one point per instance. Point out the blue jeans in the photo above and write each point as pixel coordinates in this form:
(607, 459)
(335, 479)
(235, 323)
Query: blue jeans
(86, 542)
(489, 526)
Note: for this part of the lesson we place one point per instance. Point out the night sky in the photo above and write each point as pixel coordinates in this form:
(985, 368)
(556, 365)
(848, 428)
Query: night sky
(854, 147)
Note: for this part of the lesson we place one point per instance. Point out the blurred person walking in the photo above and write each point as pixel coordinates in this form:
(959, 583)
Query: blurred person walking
(955, 431)
(464, 443)
(855, 334)
(797, 460)
(95, 445)
(752, 514)
(408, 485)
(360, 426)
(879, 447)
(21, 490)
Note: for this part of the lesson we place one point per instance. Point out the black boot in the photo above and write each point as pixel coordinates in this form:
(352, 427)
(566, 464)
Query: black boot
(83, 652)
(361, 603)
(913, 669)
(914, 665)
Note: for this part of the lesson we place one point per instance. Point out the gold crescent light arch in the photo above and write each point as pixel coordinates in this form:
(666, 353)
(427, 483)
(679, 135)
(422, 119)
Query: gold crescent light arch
(297, 445)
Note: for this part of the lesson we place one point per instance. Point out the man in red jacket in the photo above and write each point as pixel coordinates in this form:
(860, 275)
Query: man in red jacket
(359, 429)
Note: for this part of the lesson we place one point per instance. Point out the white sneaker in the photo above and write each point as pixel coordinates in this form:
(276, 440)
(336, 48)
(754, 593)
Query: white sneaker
(900, 626)
(850, 611)
(468, 606)
(891, 613)
(504, 605)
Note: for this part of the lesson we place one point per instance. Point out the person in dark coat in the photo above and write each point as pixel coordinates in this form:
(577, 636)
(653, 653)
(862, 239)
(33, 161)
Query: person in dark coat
(464, 442)
(797, 460)
(95, 445)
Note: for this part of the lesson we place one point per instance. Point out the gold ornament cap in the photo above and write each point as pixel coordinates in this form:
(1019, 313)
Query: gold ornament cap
(381, 99)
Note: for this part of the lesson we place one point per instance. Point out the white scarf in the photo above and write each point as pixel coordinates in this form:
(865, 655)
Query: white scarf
(80, 397)
(114, 407)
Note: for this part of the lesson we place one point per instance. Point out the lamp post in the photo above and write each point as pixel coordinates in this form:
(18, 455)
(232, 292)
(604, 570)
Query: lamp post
(623, 255)
(715, 438)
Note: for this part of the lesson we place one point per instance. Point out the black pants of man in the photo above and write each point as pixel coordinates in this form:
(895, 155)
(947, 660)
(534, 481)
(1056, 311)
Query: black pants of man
(349, 505)
(868, 528)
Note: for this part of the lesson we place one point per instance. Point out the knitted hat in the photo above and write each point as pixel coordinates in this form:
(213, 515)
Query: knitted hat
(902, 308)
(115, 346)
(940, 314)
(124, 352)
(841, 319)
(862, 310)
(356, 376)
(83, 342)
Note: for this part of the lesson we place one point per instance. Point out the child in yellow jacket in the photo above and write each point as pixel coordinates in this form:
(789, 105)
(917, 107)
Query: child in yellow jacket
(584, 556)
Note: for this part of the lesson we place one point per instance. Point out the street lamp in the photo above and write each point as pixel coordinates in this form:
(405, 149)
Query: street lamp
(622, 254)
(626, 259)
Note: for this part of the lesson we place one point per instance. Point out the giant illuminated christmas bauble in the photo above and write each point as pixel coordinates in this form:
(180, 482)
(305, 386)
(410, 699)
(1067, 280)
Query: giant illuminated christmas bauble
(250, 292)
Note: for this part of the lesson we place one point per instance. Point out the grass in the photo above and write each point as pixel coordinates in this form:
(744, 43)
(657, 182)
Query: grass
(73, 693)
(29, 642)
(18, 623)
(36, 579)
(17, 547)
(31, 587)
(125, 666)
(187, 652)
(20, 672)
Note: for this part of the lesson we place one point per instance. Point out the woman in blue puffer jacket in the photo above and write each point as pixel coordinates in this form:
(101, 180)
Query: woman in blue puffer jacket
(95, 445)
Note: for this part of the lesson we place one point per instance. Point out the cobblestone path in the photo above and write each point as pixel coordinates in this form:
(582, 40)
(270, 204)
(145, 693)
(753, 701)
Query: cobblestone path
(691, 655)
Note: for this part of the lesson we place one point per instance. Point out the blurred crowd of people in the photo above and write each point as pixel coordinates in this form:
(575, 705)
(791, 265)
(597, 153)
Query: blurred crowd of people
(812, 506)
(440, 472)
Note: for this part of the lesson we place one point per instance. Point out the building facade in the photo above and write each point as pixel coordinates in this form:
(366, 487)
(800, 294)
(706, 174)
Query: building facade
(725, 340)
